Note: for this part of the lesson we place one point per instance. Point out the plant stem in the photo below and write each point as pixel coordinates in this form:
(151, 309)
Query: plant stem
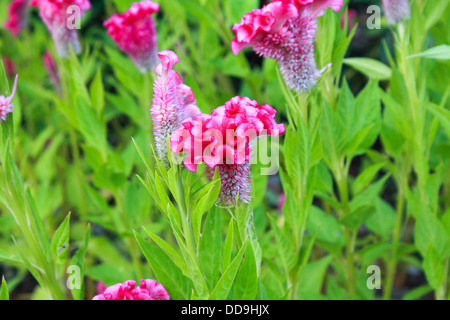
(392, 263)
(350, 236)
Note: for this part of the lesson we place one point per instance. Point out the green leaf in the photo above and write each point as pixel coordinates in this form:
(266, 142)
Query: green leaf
(60, 241)
(97, 93)
(313, 276)
(228, 246)
(210, 252)
(172, 253)
(246, 285)
(430, 231)
(327, 227)
(373, 69)
(226, 281)
(4, 294)
(365, 177)
(178, 286)
(205, 204)
(443, 115)
(418, 293)
(382, 221)
(434, 268)
(441, 52)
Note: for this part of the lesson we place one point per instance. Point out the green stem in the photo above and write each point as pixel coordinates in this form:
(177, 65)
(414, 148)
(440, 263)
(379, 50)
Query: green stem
(392, 263)
(350, 236)
(185, 222)
(441, 293)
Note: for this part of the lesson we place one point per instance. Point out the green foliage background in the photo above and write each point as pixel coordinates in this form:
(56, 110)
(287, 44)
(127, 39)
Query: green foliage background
(364, 164)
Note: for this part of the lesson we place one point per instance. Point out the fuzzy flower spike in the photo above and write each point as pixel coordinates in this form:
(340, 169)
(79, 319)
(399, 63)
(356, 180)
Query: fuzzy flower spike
(134, 31)
(17, 17)
(285, 31)
(6, 105)
(396, 10)
(60, 18)
(223, 140)
(148, 290)
(173, 101)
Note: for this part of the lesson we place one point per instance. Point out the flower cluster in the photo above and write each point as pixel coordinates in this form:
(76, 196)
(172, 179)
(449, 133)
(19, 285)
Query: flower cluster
(56, 14)
(148, 290)
(17, 16)
(285, 31)
(135, 33)
(223, 139)
(6, 105)
(396, 10)
(173, 101)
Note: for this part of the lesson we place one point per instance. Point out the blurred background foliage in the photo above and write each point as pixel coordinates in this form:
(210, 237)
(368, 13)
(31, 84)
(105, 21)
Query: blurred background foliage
(74, 153)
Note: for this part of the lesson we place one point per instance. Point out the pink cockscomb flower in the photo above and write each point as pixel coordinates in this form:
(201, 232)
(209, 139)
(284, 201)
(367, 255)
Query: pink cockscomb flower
(134, 31)
(223, 140)
(6, 105)
(61, 18)
(396, 10)
(17, 18)
(148, 290)
(285, 31)
(173, 101)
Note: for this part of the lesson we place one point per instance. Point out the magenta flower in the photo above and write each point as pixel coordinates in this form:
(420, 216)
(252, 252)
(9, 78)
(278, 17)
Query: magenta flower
(285, 31)
(134, 31)
(396, 10)
(148, 290)
(223, 140)
(350, 17)
(59, 16)
(172, 101)
(17, 18)
(6, 105)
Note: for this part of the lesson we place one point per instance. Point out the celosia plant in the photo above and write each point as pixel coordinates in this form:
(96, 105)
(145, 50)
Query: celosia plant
(285, 31)
(148, 290)
(223, 140)
(134, 31)
(173, 101)
(17, 17)
(348, 198)
(55, 15)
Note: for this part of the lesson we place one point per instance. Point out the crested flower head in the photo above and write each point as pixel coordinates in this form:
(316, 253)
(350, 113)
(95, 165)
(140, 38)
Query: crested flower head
(134, 31)
(223, 140)
(17, 17)
(285, 31)
(396, 10)
(148, 290)
(173, 101)
(6, 105)
(60, 18)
